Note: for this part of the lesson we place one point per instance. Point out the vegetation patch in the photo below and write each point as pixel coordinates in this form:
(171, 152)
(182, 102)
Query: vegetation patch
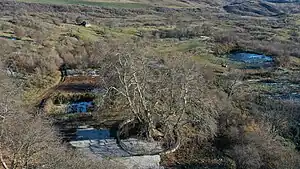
(85, 34)
(168, 69)
(90, 3)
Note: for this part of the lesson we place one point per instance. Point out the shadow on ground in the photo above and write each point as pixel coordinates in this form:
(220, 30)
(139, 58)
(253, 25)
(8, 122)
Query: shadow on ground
(77, 87)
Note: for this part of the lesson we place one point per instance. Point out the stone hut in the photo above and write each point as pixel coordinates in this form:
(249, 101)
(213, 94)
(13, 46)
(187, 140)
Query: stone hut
(85, 24)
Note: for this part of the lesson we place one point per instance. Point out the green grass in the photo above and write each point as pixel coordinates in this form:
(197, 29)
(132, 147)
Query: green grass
(33, 93)
(4, 34)
(190, 45)
(83, 2)
(85, 34)
(295, 61)
(263, 87)
(9, 36)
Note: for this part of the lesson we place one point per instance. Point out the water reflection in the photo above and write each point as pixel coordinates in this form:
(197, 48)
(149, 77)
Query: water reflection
(252, 60)
(8, 37)
(80, 107)
(92, 134)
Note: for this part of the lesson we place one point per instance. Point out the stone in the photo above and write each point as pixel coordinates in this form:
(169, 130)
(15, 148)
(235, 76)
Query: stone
(140, 162)
(94, 146)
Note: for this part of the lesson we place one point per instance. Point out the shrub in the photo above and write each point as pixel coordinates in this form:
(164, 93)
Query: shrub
(19, 32)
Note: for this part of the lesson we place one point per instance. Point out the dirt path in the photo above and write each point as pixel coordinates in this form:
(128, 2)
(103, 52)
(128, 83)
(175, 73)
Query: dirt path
(47, 94)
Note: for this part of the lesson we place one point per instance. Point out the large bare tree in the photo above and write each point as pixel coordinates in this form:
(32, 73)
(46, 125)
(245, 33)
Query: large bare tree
(170, 92)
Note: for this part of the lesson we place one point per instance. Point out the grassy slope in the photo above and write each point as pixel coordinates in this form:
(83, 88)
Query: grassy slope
(200, 48)
(162, 46)
(119, 4)
(91, 3)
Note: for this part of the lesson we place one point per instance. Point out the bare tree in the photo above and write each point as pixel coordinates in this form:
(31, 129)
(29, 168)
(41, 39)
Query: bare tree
(6, 110)
(231, 82)
(23, 137)
(158, 92)
(255, 146)
(247, 157)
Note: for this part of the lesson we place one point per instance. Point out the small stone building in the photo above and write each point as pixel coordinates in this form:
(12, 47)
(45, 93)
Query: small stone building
(85, 24)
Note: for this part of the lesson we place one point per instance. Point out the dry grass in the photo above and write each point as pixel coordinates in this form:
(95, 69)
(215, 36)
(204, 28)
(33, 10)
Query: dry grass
(124, 3)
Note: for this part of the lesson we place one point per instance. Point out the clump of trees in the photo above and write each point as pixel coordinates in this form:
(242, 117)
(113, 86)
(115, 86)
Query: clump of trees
(162, 94)
(254, 146)
(255, 132)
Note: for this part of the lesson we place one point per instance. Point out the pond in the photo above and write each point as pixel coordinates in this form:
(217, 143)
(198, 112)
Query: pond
(80, 127)
(252, 60)
(91, 133)
(80, 107)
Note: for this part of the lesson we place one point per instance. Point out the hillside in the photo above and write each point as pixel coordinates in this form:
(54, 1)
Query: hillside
(130, 3)
(261, 8)
(239, 7)
(127, 84)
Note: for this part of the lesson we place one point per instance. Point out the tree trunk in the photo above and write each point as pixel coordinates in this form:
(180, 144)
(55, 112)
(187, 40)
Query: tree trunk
(150, 127)
(150, 132)
(3, 162)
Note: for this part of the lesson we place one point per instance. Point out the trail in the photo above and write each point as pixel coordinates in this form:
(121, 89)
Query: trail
(48, 93)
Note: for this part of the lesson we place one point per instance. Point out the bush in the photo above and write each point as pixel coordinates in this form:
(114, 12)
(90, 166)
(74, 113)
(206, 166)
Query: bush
(246, 157)
(19, 32)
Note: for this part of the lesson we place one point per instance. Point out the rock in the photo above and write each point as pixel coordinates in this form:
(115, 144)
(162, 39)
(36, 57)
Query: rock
(224, 65)
(204, 38)
(91, 142)
(140, 162)
(141, 147)
(157, 133)
(85, 24)
(100, 148)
